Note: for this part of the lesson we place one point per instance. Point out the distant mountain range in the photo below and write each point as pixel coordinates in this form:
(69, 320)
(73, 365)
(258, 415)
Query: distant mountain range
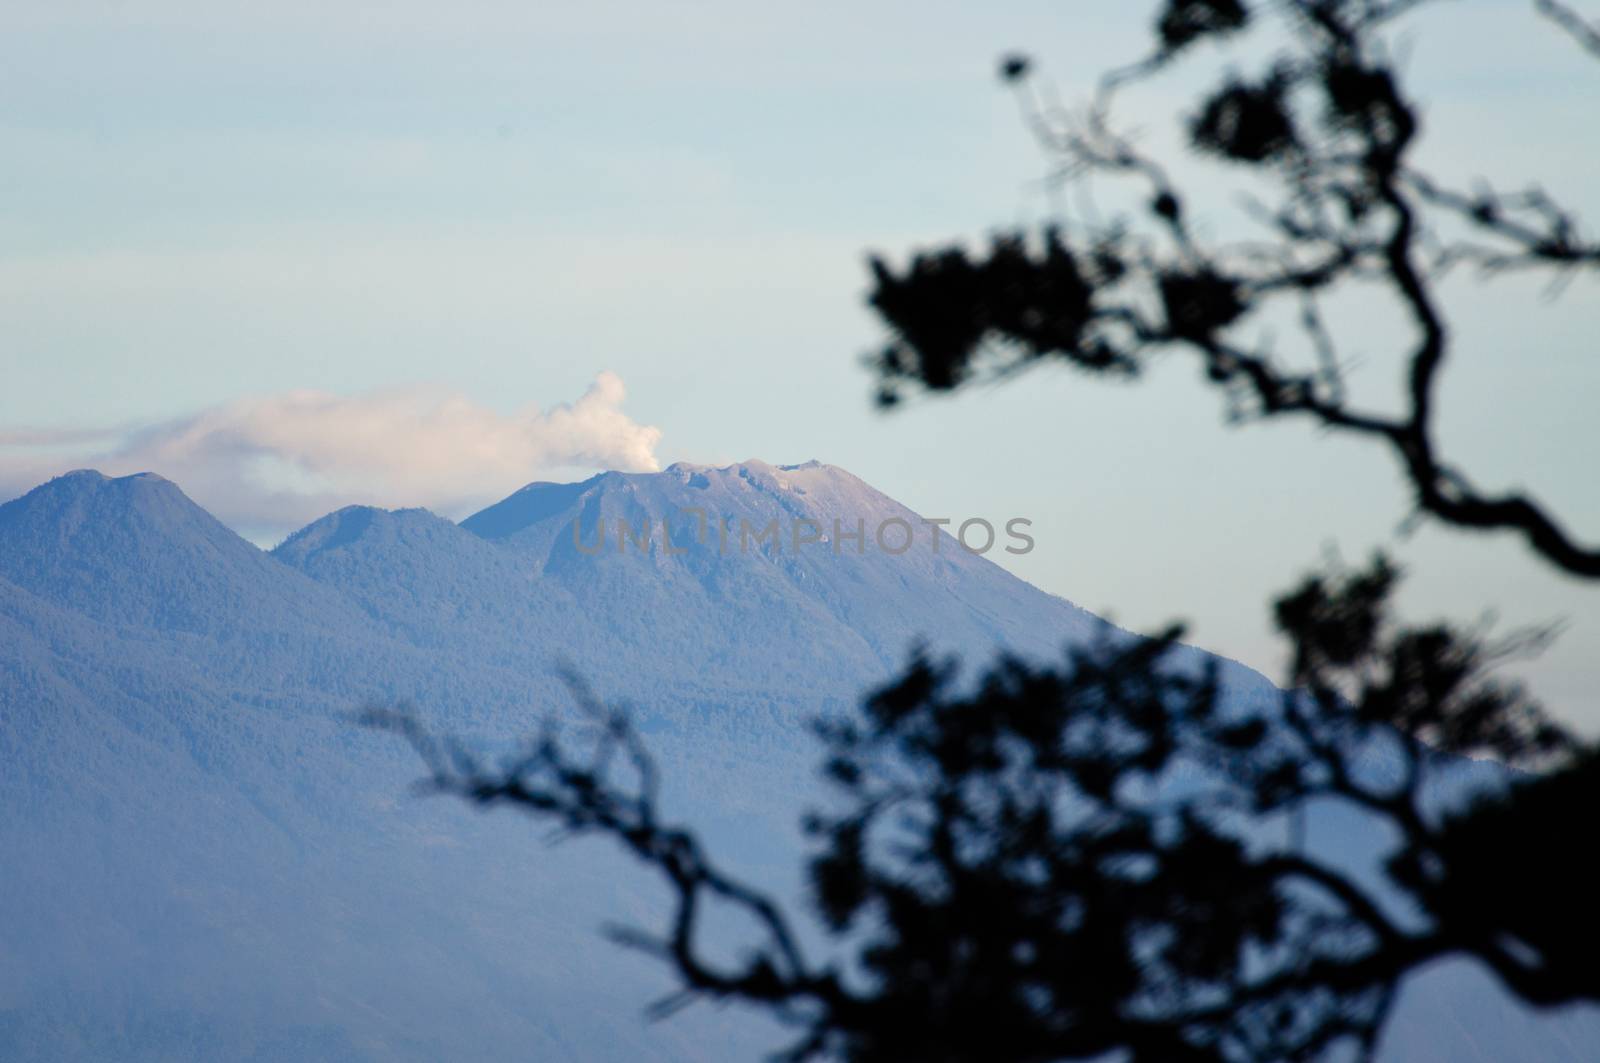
(202, 857)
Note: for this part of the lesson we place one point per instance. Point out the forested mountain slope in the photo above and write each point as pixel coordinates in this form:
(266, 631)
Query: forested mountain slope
(204, 858)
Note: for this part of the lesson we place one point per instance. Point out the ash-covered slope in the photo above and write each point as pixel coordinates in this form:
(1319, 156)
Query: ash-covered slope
(787, 579)
(804, 555)
(735, 620)
(204, 859)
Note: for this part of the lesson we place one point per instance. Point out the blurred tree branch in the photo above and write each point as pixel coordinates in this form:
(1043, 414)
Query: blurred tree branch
(1108, 855)
(1332, 130)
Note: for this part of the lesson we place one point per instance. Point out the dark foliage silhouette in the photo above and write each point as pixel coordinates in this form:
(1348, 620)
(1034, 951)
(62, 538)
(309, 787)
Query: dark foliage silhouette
(1068, 861)
(1329, 127)
(1108, 857)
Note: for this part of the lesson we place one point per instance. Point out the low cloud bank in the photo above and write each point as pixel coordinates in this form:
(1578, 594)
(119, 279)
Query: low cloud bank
(268, 464)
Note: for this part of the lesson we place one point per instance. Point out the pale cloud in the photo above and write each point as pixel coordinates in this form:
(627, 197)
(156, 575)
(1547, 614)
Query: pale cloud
(55, 437)
(268, 464)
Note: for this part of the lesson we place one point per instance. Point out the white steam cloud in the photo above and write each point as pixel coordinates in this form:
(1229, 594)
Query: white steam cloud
(268, 464)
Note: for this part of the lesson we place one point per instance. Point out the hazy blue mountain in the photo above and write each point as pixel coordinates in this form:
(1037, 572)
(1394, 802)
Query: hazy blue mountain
(202, 858)
(844, 595)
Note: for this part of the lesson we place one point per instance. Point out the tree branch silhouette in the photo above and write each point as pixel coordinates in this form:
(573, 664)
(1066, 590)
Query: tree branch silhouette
(1330, 126)
(1110, 854)
(1101, 856)
(1582, 30)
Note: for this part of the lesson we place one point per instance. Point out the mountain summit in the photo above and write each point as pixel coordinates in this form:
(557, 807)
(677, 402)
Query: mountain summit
(735, 583)
(205, 859)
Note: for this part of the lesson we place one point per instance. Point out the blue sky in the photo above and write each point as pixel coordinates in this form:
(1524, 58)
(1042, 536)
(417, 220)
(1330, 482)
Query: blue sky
(211, 204)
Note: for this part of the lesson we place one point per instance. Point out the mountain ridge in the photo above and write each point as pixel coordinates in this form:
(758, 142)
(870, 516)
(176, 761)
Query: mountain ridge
(205, 859)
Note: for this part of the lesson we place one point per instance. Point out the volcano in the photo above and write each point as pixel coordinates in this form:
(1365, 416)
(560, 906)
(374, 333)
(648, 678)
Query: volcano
(204, 857)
